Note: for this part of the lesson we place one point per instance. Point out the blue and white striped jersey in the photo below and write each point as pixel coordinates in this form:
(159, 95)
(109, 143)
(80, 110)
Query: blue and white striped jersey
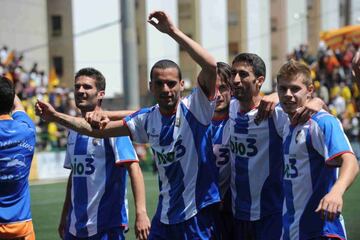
(98, 193)
(309, 150)
(17, 146)
(220, 137)
(256, 163)
(181, 144)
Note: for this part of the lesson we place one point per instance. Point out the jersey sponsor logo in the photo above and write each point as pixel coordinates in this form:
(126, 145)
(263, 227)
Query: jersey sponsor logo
(169, 157)
(290, 170)
(10, 144)
(247, 148)
(12, 168)
(83, 168)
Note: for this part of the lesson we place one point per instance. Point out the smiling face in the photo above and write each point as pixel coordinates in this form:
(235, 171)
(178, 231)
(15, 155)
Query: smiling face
(87, 96)
(293, 92)
(166, 88)
(294, 85)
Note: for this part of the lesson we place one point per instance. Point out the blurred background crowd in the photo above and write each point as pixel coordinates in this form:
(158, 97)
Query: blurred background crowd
(32, 84)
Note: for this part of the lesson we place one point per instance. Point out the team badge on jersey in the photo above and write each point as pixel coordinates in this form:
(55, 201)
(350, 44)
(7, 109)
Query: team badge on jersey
(96, 141)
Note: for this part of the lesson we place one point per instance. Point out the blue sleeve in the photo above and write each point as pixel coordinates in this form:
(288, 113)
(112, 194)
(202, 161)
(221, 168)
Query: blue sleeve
(21, 116)
(124, 150)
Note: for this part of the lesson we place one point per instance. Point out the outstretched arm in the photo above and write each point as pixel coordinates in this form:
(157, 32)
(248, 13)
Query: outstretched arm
(207, 76)
(80, 125)
(331, 204)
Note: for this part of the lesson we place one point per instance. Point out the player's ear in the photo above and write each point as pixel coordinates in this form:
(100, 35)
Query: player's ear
(101, 94)
(259, 81)
(182, 84)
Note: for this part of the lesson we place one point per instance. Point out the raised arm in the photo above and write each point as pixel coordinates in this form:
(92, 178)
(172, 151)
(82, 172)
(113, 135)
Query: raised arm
(207, 76)
(17, 105)
(112, 129)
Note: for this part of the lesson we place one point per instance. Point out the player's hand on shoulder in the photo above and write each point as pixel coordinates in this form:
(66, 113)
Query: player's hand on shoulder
(161, 21)
(266, 107)
(97, 119)
(304, 113)
(330, 206)
(142, 226)
(44, 110)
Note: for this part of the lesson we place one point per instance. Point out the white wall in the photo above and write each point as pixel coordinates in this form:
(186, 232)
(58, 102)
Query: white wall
(258, 35)
(330, 14)
(23, 26)
(296, 24)
(214, 31)
(100, 48)
(355, 12)
(159, 45)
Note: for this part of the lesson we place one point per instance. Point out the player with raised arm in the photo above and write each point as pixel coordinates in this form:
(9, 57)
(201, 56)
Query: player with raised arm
(178, 133)
(95, 202)
(313, 186)
(17, 146)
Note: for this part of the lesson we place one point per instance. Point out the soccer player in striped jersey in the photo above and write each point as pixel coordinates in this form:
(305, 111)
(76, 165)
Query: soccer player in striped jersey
(17, 146)
(178, 133)
(313, 186)
(95, 206)
(219, 131)
(256, 157)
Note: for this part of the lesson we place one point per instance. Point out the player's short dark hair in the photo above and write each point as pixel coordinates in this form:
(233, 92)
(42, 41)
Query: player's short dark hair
(294, 68)
(94, 74)
(7, 95)
(164, 64)
(224, 71)
(254, 61)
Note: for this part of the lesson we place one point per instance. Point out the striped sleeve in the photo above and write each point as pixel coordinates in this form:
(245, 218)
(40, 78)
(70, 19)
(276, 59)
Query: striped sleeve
(136, 123)
(200, 106)
(328, 138)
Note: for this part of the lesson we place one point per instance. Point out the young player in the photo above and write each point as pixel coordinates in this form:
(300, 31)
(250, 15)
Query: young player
(95, 204)
(178, 133)
(17, 146)
(313, 186)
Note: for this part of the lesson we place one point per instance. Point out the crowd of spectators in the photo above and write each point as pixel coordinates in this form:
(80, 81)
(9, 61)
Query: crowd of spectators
(32, 84)
(331, 72)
